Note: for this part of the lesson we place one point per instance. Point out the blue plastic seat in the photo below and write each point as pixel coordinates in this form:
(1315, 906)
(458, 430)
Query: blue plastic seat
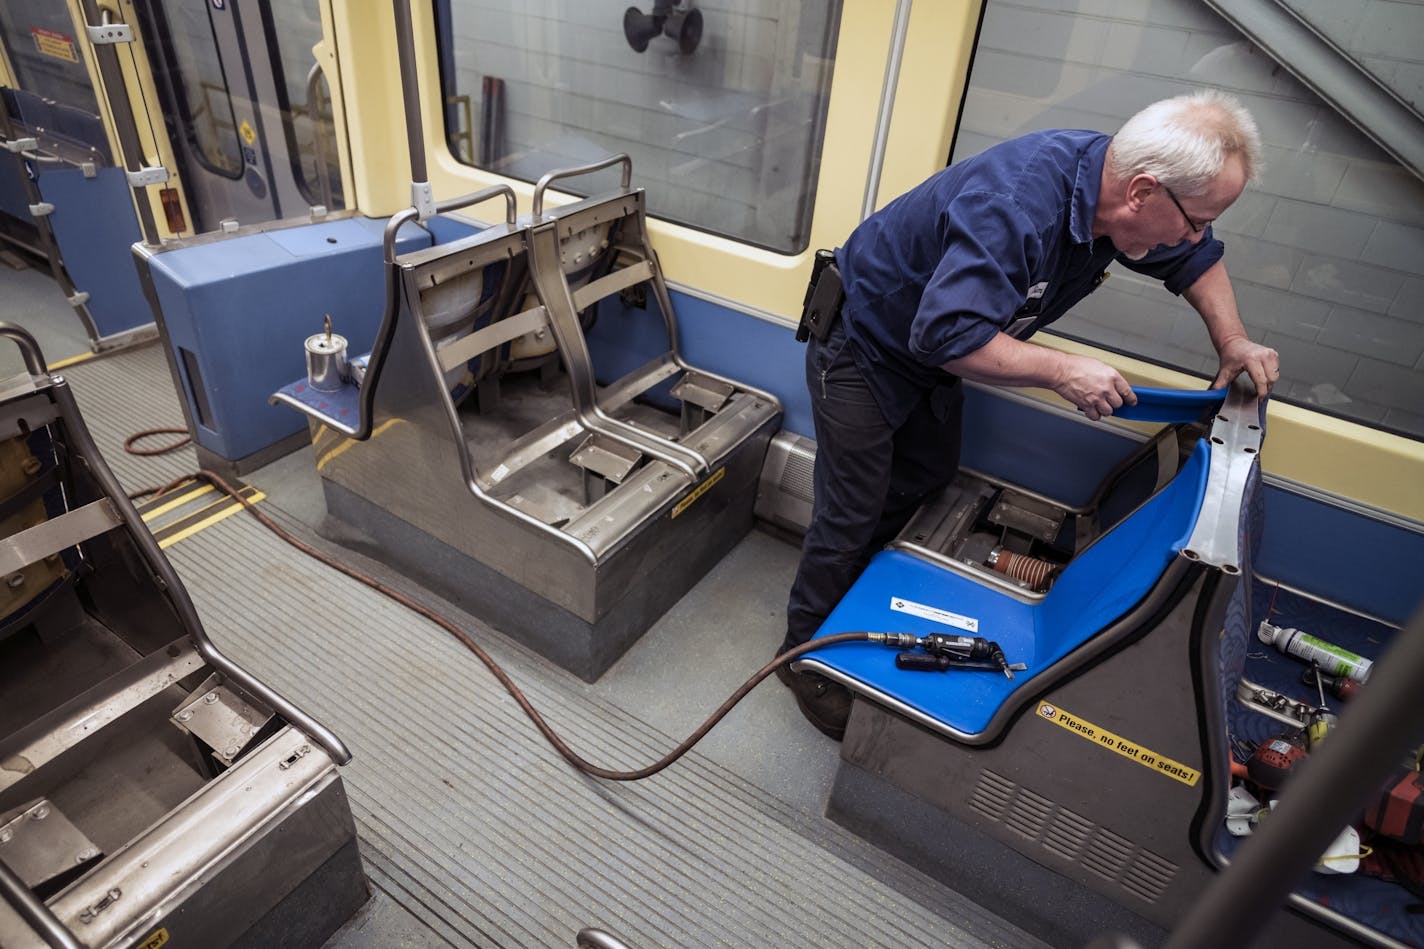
(1100, 585)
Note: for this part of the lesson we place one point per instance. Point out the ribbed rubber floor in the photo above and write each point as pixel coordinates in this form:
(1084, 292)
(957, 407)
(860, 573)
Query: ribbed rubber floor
(467, 818)
(125, 393)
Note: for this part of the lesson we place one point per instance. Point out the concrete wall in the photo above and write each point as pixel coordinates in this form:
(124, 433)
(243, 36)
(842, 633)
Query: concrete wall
(1384, 37)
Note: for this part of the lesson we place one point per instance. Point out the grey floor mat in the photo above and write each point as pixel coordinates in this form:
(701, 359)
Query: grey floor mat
(468, 820)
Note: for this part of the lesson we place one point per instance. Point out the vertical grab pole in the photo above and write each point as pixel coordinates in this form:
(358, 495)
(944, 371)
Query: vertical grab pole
(421, 197)
(887, 106)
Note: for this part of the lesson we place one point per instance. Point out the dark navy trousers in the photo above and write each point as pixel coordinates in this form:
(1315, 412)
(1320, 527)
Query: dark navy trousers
(869, 479)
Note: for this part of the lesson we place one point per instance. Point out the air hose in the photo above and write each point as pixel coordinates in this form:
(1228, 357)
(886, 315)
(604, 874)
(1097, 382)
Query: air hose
(568, 754)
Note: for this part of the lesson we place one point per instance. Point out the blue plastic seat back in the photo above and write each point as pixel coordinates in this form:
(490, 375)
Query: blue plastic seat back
(1116, 571)
(899, 592)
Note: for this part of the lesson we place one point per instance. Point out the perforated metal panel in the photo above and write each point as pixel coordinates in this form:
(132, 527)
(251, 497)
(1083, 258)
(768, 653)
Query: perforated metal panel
(785, 492)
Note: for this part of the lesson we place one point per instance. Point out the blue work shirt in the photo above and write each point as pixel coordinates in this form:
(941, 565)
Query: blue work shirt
(999, 242)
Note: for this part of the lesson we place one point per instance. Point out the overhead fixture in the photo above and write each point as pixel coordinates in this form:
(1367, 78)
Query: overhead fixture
(670, 18)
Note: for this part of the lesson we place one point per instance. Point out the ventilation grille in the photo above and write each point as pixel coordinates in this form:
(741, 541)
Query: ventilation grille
(797, 479)
(1072, 837)
(787, 483)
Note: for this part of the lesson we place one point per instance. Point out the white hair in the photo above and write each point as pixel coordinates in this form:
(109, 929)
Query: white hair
(1184, 141)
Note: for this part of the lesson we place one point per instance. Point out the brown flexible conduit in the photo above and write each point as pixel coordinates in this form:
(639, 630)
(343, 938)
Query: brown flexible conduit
(569, 755)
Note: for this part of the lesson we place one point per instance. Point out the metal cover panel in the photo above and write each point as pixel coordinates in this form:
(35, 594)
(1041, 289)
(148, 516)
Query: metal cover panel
(219, 716)
(41, 845)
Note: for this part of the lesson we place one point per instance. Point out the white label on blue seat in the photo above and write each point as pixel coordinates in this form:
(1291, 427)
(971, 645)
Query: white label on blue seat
(934, 614)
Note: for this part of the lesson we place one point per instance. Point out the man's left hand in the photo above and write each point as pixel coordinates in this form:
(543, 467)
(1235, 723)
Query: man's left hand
(1262, 363)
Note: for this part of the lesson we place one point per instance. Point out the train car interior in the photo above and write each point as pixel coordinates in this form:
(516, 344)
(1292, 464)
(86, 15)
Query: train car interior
(434, 367)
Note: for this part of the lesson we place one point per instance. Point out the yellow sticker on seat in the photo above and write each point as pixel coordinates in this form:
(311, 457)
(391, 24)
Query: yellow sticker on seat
(1116, 743)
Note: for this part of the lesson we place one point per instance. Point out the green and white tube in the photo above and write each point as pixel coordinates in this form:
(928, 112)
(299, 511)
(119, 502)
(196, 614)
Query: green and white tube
(1332, 659)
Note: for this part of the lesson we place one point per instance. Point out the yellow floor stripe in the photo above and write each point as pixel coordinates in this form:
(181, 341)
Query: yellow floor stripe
(233, 508)
(176, 501)
(219, 499)
(61, 363)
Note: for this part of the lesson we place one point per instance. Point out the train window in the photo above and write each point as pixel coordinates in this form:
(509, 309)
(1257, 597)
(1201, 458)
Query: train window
(305, 101)
(1326, 251)
(197, 83)
(54, 99)
(721, 108)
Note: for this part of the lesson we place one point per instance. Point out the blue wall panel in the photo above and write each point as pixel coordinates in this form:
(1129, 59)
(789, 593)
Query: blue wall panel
(750, 350)
(447, 229)
(712, 337)
(1344, 556)
(13, 199)
(1061, 457)
(95, 225)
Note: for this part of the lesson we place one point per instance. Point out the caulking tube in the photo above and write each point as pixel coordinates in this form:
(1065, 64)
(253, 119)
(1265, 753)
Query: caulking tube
(1331, 658)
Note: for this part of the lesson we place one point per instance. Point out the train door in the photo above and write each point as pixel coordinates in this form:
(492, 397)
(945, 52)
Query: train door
(245, 107)
(64, 194)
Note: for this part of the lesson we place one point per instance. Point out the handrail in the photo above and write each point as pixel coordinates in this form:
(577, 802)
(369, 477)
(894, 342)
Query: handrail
(388, 236)
(555, 175)
(421, 196)
(33, 911)
(29, 349)
(168, 580)
(323, 178)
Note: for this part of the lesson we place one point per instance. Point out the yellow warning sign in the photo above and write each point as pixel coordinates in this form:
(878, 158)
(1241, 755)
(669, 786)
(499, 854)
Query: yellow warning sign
(1106, 739)
(159, 938)
(248, 133)
(697, 492)
(50, 43)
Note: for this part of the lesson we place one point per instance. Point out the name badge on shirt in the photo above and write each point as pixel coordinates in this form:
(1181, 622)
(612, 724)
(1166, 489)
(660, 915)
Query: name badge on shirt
(1020, 326)
(1023, 324)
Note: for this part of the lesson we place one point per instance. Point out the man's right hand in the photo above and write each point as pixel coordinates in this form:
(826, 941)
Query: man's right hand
(1093, 386)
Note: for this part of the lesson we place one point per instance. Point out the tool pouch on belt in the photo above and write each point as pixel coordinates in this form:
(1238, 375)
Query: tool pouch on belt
(823, 298)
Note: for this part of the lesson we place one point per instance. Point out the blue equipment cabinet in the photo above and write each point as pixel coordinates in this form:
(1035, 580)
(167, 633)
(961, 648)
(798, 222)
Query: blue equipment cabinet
(234, 312)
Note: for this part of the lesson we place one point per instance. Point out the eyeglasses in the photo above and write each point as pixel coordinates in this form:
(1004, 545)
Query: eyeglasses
(1196, 228)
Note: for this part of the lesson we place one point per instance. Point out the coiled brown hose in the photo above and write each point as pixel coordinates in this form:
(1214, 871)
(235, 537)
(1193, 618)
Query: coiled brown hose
(469, 643)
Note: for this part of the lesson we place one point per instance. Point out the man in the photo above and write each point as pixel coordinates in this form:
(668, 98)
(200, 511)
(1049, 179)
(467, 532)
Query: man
(947, 281)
